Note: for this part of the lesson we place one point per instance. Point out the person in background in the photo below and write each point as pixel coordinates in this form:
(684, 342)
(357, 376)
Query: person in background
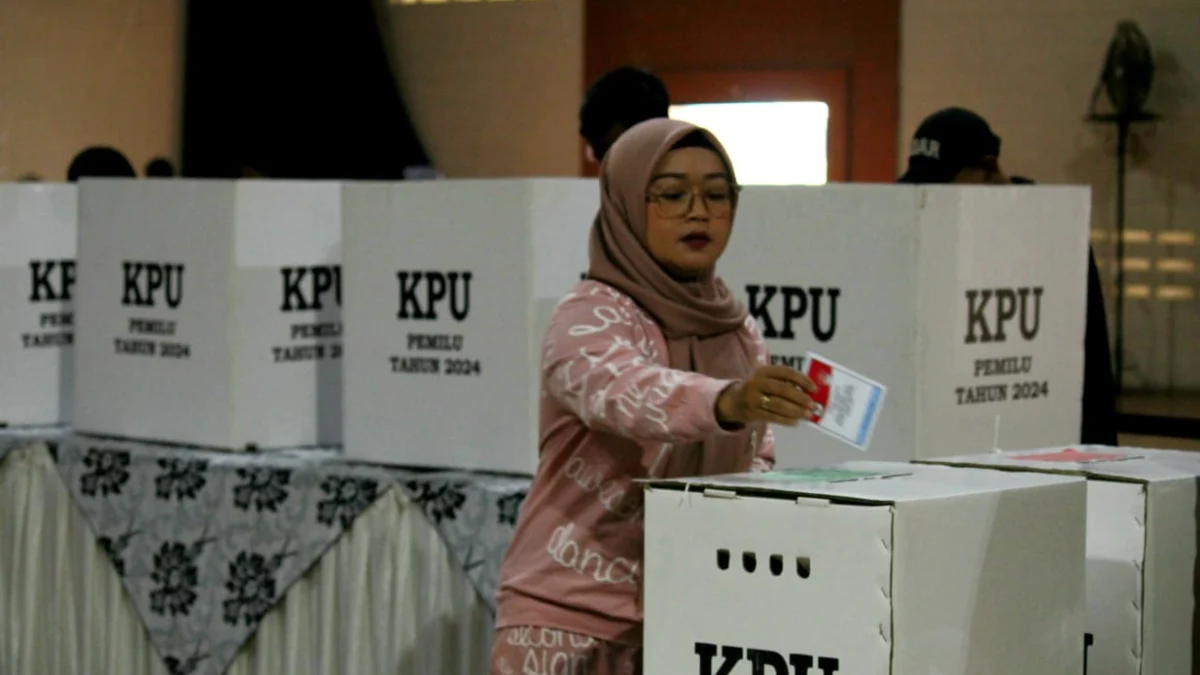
(159, 167)
(956, 145)
(100, 162)
(650, 369)
(617, 101)
(1099, 384)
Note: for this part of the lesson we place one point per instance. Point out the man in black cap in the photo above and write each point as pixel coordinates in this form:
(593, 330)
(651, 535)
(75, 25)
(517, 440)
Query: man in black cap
(956, 145)
(616, 101)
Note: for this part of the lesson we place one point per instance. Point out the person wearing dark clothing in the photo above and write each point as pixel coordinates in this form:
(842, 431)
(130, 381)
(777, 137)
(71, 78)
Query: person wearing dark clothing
(616, 101)
(100, 162)
(160, 167)
(1099, 385)
(956, 145)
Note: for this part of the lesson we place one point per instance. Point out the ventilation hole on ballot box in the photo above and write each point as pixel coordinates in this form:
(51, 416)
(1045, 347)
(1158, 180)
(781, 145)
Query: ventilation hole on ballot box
(723, 558)
(803, 567)
(749, 562)
(776, 565)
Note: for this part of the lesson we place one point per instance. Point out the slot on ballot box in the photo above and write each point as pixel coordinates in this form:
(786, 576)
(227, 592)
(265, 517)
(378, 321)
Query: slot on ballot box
(865, 567)
(965, 302)
(449, 287)
(1141, 550)
(37, 285)
(211, 312)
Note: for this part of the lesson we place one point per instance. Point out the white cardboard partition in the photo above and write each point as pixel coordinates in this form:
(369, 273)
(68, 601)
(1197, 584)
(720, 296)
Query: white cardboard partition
(37, 282)
(867, 567)
(966, 302)
(211, 312)
(1141, 551)
(449, 286)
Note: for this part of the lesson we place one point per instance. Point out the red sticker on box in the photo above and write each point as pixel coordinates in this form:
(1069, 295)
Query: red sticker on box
(1073, 456)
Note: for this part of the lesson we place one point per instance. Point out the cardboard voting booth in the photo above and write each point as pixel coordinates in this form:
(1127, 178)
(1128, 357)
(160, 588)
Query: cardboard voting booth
(866, 567)
(449, 286)
(965, 302)
(1141, 551)
(37, 283)
(211, 312)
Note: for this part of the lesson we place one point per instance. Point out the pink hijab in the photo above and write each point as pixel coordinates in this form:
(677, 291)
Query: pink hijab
(701, 320)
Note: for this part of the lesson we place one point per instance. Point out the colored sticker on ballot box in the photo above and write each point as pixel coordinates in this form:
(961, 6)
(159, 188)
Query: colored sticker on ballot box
(848, 404)
(1073, 456)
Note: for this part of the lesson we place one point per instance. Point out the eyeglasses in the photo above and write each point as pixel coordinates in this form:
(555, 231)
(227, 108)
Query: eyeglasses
(677, 200)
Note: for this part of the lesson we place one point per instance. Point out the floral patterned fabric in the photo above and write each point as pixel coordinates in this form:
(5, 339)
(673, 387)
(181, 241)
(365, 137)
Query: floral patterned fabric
(207, 543)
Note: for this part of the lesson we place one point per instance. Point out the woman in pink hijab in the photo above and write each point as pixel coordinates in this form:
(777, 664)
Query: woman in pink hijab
(650, 369)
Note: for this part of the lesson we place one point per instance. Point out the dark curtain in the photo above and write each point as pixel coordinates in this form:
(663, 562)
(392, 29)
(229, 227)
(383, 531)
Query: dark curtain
(293, 90)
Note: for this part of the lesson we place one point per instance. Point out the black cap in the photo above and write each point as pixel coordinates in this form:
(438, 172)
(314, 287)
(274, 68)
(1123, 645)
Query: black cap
(947, 142)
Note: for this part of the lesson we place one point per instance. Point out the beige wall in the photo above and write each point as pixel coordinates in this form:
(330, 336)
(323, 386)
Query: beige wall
(1029, 66)
(87, 72)
(494, 88)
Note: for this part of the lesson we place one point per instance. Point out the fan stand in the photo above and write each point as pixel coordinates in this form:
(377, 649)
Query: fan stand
(1124, 122)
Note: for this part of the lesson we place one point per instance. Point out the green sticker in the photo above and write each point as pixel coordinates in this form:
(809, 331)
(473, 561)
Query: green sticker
(818, 475)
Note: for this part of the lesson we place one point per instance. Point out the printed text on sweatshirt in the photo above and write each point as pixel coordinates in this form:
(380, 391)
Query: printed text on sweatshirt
(611, 410)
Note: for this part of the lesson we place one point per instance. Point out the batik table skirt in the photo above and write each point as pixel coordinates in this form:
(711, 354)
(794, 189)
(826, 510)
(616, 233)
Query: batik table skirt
(388, 596)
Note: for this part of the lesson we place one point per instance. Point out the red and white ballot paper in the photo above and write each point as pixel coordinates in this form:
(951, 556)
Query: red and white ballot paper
(848, 404)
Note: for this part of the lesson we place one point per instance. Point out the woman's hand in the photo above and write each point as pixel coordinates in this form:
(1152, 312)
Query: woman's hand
(775, 394)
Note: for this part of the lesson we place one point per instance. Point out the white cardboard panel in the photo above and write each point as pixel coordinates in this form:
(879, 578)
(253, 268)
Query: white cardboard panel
(836, 613)
(448, 288)
(37, 283)
(1141, 552)
(881, 279)
(203, 317)
(946, 582)
(1169, 628)
(1017, 301)
(832, 270)
(1116, 551)
(1006, 567)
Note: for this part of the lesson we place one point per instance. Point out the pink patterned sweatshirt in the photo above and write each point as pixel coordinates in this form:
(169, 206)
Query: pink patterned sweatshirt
(611, 409)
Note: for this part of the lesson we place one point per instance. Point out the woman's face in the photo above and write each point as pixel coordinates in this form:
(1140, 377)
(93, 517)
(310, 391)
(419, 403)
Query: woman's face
(689, 211)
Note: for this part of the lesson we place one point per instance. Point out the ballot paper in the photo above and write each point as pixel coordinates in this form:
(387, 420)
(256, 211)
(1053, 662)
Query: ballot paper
(847, 404)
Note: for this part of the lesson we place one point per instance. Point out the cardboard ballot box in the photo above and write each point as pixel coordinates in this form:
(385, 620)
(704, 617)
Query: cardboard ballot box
(37, 281)
(866, 567)
(965, 302)
(1141, 551)
(211, 311)
(449, 286)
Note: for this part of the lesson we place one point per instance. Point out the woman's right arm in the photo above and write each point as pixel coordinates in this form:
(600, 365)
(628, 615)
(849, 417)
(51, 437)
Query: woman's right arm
(593, 365)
